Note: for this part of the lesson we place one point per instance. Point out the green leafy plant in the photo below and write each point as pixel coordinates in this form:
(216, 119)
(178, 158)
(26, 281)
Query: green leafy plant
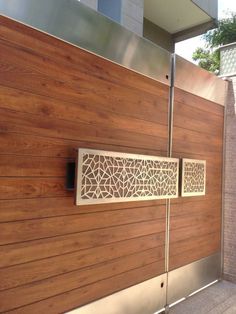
(209, 57)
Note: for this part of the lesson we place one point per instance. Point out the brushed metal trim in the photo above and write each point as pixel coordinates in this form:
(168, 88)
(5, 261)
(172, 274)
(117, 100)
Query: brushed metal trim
(171, 105)
(169, 150)
(167, 251)
(185, 280)
(93, 181)
(144, 298)
(196, 161)
(197, 81)
(79, 25)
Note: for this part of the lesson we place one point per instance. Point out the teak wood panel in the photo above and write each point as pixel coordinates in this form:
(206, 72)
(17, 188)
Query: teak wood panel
(195, 223)
(55, 98)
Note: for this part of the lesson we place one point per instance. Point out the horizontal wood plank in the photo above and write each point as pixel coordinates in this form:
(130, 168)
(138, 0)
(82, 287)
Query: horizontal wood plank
(21, 231)
(38, 270)
(190, 207)
(21, 166)
(25, 209)
(14, 254)
(193, 255)
(18, 122)
(102, 288)
(183, 246)
(205, 227)
(71, 57)
(191, 100)
(74, 88)
(198, 120)
(34, 145)
(20, 296)
(16, 187)
(194, 219)
(12, 99)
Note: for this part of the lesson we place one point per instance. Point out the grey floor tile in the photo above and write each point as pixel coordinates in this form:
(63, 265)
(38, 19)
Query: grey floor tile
(219, 298)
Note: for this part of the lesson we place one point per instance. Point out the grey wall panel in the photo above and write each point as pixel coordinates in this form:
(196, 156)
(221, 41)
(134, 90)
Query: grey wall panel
(187, 279)
(144, 298)
(197, 81)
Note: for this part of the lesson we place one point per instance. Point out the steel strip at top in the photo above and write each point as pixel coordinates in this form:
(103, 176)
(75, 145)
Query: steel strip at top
(81, 26)
(198, 81)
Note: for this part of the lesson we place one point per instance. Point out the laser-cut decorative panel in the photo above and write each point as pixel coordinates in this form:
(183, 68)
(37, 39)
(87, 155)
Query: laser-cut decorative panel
(108, 177)
(193, 177)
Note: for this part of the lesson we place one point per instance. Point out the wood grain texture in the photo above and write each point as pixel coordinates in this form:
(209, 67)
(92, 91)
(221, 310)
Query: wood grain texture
(37, 270)
(12, 232)
(29, 293)
(69, 300)
(15, 254)
(68, 55)
(21, 209)
(195, 225)
(55, 98)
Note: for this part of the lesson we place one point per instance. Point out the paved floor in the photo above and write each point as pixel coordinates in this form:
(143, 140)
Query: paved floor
(216, 299)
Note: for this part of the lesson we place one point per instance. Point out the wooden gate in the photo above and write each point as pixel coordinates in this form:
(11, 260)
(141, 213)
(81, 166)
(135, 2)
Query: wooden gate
(55, 98)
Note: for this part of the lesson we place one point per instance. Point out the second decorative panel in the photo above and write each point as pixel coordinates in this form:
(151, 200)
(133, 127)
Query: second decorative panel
(193, 177)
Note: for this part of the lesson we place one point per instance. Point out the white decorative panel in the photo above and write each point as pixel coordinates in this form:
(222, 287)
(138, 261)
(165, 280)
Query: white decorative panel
(193, 177)
(107, 177)
(228, 59)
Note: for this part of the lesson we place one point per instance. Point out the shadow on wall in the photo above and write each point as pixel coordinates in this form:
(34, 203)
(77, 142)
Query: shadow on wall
(230, 186)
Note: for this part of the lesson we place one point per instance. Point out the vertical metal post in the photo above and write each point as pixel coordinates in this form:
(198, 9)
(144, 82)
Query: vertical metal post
(171, 105)
(170, 139)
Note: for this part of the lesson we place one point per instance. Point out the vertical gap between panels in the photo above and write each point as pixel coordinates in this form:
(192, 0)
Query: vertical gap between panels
(170, 140)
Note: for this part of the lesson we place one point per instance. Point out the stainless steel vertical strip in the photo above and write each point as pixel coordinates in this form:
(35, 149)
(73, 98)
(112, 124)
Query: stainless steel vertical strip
(167, 237)
(169, 151)
(223, 183)
(170, 140)
(171, 104)
(167, 251)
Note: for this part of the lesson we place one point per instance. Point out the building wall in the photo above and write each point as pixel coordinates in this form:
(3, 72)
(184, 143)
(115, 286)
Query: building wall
(128, 13)
(132, 15)
(230, 185)
(93, 4)
(158, 35)
(110, 8)
(209, 6)
(227, 69)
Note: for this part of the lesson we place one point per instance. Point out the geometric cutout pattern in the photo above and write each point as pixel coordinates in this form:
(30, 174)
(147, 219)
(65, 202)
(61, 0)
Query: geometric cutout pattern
(193, 177)
(228, 60)
(105, 176)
